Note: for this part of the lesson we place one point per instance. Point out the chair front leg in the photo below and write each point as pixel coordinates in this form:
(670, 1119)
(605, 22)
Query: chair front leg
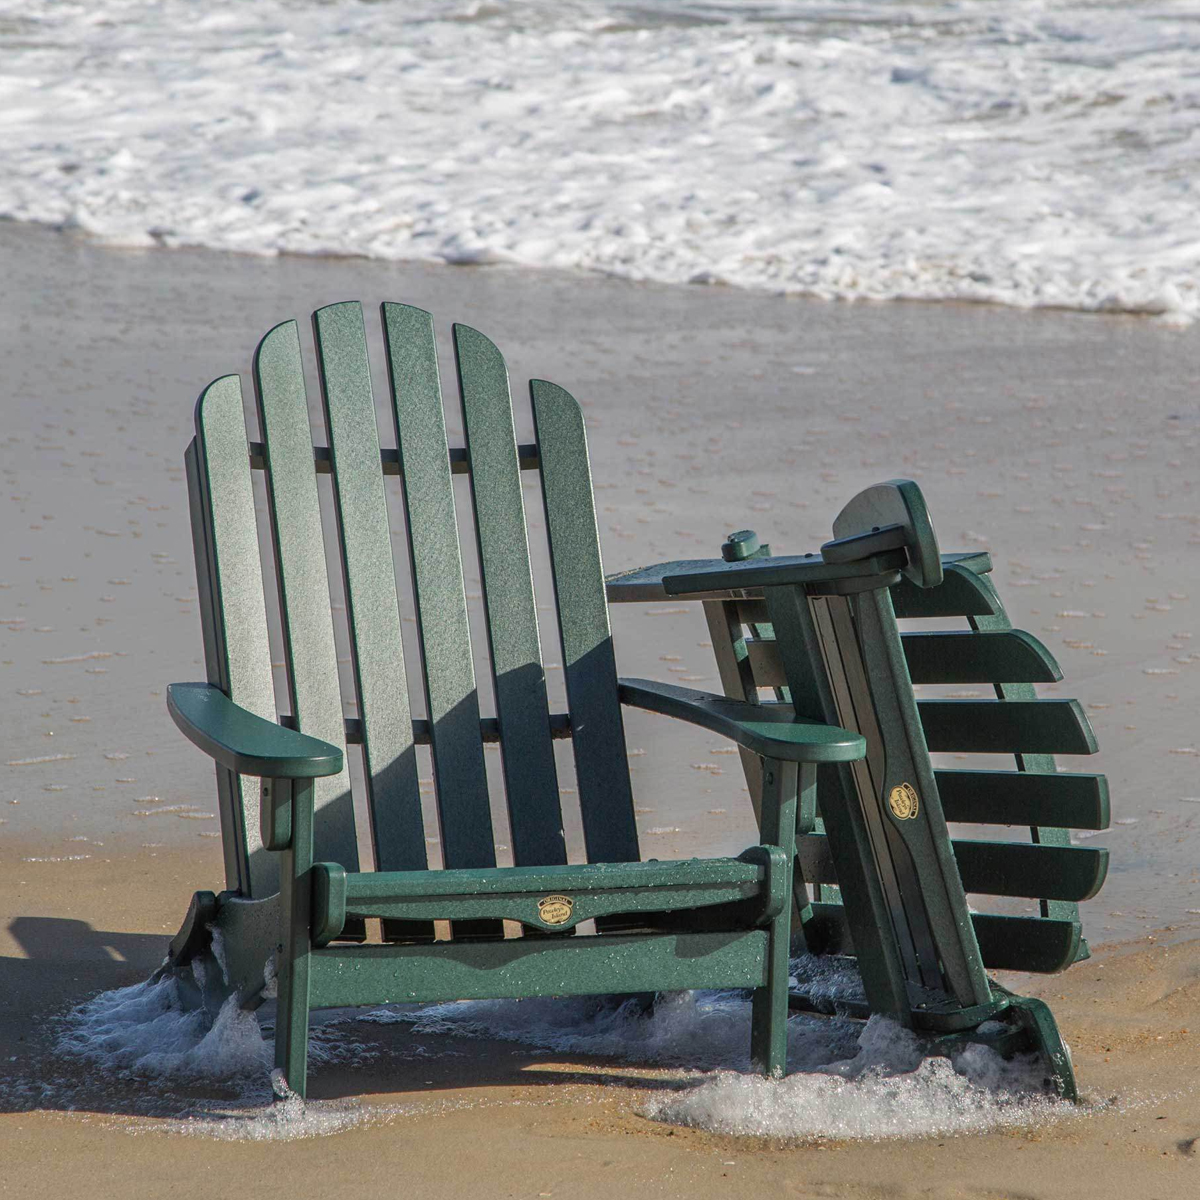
(293, 950)
(783, 783)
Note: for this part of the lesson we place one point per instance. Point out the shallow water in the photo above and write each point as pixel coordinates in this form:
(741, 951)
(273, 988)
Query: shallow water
(849, 1080)
(1031, 153)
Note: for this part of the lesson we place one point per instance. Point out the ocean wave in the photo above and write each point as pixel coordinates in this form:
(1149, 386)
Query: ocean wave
(1037, 154)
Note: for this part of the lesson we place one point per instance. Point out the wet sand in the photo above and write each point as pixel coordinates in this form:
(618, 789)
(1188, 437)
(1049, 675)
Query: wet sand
(1065, 443)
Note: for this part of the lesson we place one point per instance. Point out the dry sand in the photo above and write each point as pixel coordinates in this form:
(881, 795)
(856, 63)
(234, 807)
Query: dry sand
(1068, 444)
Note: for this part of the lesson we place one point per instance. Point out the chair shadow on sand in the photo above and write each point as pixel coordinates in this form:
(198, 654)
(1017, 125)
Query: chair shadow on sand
(67, 962)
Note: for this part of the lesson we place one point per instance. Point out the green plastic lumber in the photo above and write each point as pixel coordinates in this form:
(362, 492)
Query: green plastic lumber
(244, 742)
(1007, 726)
(865, 661)
(868, 899)
(551, 899)
(895, 504)
(240, 651)
(996, 868)
(520, 967)
(519, 679)
(389, 753)
(1058, 798)
(966, 656)
(451, 697)
(943, 656)
(1027, 757)
(1071, 873)
(640, 585)
(770, 730)
(786, 787)
(230, 800)
(293, 952)
(589, 663)
(389, 459)
(807, 569)
(962, 592)
(307, 622)
(1037, 944)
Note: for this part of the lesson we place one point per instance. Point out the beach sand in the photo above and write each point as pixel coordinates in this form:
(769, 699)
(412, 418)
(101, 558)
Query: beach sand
(1067, 444)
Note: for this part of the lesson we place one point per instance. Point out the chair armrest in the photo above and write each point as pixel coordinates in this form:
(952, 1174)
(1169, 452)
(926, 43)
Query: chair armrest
(244, 742)
(770, 730)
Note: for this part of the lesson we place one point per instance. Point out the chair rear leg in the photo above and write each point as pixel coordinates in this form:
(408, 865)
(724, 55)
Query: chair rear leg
(293, 952)
(785, 788)
(769, 1006)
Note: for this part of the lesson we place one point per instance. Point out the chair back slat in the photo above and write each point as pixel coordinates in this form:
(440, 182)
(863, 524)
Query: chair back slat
(371, 603)
(236, 636)
(303, 578)
(589, 663)
(530, 779)
(451, 697)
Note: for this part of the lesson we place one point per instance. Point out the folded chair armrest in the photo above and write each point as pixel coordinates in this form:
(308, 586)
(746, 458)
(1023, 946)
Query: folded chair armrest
(714, 578)
(786, 570)
(244, 742)
(772, 731)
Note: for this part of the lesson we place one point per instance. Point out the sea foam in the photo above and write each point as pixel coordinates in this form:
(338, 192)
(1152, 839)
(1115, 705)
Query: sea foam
(848, 1080)
(1036, 153)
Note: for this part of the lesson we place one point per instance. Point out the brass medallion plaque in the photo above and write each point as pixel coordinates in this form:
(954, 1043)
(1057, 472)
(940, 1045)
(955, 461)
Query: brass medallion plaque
(555, 910)
(902, 800)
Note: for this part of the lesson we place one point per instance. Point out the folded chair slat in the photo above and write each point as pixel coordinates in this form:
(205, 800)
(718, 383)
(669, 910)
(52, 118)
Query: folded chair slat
(953, 656)
(530, 779)
(1007, 726)
(958, 595)
(389, 754)
(995, 868)
(946, 656)
(295, 512)
(1059, 798)
(1006, 943)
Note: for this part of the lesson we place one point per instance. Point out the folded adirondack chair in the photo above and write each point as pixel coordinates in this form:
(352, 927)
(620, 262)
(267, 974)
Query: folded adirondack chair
(294, 911)
(887, 883)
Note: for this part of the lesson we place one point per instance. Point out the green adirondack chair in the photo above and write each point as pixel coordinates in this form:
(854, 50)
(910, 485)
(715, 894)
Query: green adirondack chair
(880, 829)
(296, 901)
